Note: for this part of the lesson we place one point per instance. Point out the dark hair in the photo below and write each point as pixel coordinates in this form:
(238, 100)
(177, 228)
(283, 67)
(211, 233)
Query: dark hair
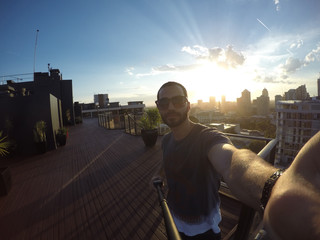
(168, 84)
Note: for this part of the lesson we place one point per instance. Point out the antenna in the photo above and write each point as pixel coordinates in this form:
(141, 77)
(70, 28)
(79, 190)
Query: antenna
(34, 57)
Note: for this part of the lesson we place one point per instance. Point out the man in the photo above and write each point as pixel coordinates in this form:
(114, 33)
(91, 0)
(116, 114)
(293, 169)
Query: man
(195, 158)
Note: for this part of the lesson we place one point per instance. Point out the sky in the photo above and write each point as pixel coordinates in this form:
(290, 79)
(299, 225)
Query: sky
(129, 48)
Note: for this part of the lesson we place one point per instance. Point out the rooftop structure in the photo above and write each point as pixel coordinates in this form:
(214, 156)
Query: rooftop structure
(101, 100)
(47, 98)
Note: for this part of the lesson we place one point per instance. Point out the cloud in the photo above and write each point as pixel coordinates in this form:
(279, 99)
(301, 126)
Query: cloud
(273, 79)
(215, 53)
(129, 70)
(173, 68)
(292, 64)
(223, 57)
(233, 58)
(296, 44)
(312, 56)
(277, 3)
(197, 51)
(166, 69)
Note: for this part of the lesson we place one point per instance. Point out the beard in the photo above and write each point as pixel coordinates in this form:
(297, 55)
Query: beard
(173, 118)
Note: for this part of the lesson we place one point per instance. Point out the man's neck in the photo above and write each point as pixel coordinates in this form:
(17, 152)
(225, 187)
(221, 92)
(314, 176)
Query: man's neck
(182, 130)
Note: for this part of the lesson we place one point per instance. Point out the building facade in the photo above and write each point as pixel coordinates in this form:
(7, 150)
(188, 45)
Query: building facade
(297, 121)
(48, 98)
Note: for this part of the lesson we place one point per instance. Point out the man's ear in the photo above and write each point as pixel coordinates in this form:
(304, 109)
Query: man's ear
(188, 106)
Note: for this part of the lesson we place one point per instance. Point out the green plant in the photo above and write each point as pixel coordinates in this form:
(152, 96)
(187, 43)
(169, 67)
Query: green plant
(4, 145)
(39, 131)
(150, 119)
(62, 131)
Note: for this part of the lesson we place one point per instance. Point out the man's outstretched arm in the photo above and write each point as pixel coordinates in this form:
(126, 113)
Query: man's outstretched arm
(293, 211)
(244, 172)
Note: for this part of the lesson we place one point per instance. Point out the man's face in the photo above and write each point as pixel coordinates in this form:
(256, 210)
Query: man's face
(175, 113)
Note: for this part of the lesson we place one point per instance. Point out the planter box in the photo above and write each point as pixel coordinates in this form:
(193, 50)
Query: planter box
(41, 147)
(5, 180)
(149, 137)
(61, 139)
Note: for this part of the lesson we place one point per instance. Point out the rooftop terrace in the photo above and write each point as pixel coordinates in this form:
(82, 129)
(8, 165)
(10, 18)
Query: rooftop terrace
(95, 187)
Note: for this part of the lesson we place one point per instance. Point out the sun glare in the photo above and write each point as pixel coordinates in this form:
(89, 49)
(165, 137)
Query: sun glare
(212, 80)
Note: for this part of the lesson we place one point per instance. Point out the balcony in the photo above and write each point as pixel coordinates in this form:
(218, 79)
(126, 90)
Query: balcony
(248, 219)
(97, 187)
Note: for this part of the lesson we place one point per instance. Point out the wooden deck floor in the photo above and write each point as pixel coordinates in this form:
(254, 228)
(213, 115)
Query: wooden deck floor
(95, 187)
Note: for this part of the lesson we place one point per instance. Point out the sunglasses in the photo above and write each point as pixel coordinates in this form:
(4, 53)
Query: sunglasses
(177, 101)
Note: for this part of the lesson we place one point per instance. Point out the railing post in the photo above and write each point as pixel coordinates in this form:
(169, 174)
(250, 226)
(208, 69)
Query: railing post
(129, 122)
(244, 223)
(135, 124)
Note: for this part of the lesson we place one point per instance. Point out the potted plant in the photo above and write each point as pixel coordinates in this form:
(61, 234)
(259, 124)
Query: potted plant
(39, 136)
(61, 136)
(4, 145)
(5, 174)
(149, 126)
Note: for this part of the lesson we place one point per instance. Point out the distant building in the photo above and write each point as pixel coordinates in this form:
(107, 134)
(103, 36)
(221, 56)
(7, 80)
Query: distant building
(90, 110)
(299, 93)
(200, 102)
(297, 121)
(277, 98)
(225, 127)
(244, 103)
(207, 116)
(290, 95)
(263, 103)
(101, 100)
(212, 101)
(318, 81)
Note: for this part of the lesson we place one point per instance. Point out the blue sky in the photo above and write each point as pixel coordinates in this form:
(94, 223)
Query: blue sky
(129, 48)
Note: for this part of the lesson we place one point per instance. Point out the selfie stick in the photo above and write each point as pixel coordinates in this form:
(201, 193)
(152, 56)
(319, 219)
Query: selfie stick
(172, 231)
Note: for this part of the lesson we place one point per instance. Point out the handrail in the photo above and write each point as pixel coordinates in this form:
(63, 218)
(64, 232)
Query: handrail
(135, 124)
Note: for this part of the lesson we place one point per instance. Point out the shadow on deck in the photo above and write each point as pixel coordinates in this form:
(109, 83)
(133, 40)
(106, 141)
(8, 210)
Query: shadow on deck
(95, 187)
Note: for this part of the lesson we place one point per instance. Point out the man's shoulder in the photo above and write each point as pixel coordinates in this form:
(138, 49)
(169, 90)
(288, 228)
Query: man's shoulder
(210, 134)
(203, 129)
(166, 137)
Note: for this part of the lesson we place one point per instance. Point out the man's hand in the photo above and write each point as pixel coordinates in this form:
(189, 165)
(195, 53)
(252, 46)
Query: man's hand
(293, 210)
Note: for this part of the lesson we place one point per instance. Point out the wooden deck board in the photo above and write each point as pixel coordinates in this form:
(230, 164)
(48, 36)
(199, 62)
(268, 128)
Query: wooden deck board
(95, 187)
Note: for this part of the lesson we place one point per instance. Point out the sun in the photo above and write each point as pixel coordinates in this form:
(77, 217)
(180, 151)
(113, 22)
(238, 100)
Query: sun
(211, 80)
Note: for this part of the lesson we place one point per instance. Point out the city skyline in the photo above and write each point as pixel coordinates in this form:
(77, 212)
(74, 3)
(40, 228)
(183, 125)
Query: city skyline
(129, 49)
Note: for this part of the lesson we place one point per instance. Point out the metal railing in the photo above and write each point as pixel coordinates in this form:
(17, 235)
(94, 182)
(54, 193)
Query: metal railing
(111, 121)
(131, 124)
(127, 121)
